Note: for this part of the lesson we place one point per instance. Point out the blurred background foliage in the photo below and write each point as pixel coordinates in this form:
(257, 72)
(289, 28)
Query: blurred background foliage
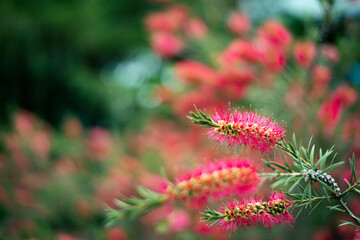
(89, 109)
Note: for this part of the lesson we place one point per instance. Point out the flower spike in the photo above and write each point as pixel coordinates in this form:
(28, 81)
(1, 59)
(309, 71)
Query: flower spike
(250, 212)
(236, 128)
(217, 179)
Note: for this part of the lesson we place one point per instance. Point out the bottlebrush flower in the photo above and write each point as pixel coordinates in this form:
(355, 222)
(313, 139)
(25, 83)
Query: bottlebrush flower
(196, 28)
(162, 22)
(217, 179)
(238, 23)
(332, 109)
(276, 34)
(321, 76)
(304, 53)
(166, 44)
(246, 128)
(250, 212)
(192, 72)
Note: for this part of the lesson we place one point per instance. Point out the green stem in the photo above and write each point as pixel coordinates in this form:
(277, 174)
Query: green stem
(356, 219)
(281, 174)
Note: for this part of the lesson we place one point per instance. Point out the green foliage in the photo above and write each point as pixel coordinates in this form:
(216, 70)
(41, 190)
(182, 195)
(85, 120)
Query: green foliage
(306, 171)
(133, 208)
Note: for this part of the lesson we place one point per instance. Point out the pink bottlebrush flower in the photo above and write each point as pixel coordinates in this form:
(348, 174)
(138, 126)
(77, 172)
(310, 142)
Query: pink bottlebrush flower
(179, 220)
(166, 44)
(246, 128)
(304, 53)
(178, 12)
(65, 236)
(116, 233)
(238, 23)
(239, 50)
(204, 99)
(332, 109)
(161, 21)
(100, 144)
(250, 212)
(351, 129)
(196, 28)
(276, 34)
(41, 143)
(274, 60)
(217, 179)
(321, 76)
(241, 74)
(24, 122)
(193, 72)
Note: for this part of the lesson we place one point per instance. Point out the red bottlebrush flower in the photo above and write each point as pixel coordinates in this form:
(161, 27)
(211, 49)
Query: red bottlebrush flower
(116, 233)
(250, 212)
(193, 72)
(239, 50)
(217, 179)
(178, 12)
(238, 23)
(166, 45)
(196, 28)
(304, 53)
(321, 76)
(330, 112)
(274, 60)
(100, 144)
(246, 128)
(179, 220)
(161, 21)
(240, 74)
(276, 34)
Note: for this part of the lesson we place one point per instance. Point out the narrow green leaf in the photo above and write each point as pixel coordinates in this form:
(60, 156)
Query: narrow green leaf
(350, 224)
(326, 186)
(294, 140)
(312, 155)
(335, 208)
(323, 158)
(353, 173)
(280, 166)
(299, 212)
(305, 192)
(325, 192)
(332, 167)
(333, 158)
(295, 184)
(347, 182)
(285, 162)
(278, 182)
(313, 208)
(309, 143)
(356, 190)
(306, 154)
(121, 204)
(309, 194)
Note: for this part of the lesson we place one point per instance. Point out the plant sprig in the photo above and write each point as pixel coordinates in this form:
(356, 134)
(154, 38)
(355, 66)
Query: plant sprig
(134, 207)
(306, 170)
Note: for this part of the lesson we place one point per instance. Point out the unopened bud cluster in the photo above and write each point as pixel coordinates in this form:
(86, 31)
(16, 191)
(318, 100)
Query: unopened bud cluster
(325, 178)
(218, 179)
